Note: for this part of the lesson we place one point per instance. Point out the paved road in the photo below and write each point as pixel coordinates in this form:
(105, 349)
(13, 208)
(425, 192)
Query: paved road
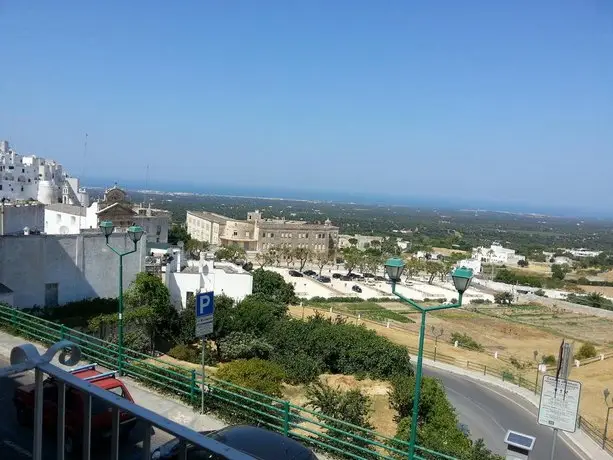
(16, 441)
(490, 411)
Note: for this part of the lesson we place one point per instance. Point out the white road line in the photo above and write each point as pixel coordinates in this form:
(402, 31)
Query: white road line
(17, 448)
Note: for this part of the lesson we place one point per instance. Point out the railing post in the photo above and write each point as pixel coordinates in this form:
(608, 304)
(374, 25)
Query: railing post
(467, 363)
(484, 369)
(13, 318)
(286, 418)
(192, 386)
(62, 332)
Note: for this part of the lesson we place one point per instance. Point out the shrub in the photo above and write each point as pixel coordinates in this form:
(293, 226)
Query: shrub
(466, 341)
(540, 293)
(480, 301)
(242, 345)
(550, 360)
(300, 368)
(184, 353)
(586, 351)
(256, 374)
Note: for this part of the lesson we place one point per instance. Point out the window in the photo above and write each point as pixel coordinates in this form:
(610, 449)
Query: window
(246, 234)
(73, 220)
(22, 188)
(235, 233)
(23, 170)
(58, 218)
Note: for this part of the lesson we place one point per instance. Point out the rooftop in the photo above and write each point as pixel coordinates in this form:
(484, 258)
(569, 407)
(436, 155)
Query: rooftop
(217, 218)
(67, 209)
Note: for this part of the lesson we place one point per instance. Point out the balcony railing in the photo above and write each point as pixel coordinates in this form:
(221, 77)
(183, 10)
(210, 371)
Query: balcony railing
(26, 358)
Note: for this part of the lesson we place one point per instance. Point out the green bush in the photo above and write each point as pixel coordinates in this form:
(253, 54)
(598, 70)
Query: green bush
(586, 351)
(184, 353)
(300, 368)
(540, 293)
(480, 301)
(242, 345)
(466, 341)
(549, 360)
(256, 374)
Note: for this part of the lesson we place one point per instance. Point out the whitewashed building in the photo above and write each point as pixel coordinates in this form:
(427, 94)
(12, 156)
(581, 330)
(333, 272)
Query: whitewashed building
(496, 254)
(51, 270)
(206, 275)
(29, 177)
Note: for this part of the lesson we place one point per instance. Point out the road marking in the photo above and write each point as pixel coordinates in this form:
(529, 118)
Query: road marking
(489, 387)
(17, 448)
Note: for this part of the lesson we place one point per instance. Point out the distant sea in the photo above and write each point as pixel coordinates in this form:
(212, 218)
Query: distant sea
(367, 198)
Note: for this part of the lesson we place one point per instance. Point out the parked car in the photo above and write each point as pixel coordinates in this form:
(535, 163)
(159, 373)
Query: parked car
(257, 442)
(323, 279)
(346, 278)
(295, 273)
(368, 275)
(380, 278)
(309, 273)
(356, 288)
(101, 416)
(337, 275)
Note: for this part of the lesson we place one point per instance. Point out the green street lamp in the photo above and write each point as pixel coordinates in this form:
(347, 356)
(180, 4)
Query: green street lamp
(461, 280)
(135, 233)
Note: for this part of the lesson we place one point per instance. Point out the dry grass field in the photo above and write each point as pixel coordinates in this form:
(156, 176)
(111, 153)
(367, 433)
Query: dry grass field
(606, 291)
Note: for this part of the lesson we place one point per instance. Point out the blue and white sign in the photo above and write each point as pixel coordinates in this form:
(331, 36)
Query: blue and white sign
(205, 308)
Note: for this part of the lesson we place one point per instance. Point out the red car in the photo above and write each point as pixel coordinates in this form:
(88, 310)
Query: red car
(101, 416)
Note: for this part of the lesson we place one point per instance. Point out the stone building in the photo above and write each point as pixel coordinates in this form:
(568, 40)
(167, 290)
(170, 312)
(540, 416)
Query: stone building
(259, 234)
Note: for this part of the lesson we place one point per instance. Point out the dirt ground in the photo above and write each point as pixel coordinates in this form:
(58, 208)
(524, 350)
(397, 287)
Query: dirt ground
(595, 378)
(606, 291)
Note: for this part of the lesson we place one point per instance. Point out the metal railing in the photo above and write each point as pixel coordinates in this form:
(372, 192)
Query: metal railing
(231, 402)
(26, 358)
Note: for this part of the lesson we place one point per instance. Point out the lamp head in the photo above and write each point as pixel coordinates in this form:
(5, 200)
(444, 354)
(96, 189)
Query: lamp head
(461, 279)
(135, 232)
(394, 268)
(107, 228)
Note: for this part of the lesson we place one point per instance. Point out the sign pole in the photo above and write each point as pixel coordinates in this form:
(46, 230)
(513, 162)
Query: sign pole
(553, 446)
(202, 399)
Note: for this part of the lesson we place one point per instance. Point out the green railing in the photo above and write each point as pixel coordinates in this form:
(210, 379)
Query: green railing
(231, 402)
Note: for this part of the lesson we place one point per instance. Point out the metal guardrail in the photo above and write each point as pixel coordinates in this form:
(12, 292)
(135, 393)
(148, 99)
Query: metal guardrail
(232, 402)
(26, 357)
(595, 433)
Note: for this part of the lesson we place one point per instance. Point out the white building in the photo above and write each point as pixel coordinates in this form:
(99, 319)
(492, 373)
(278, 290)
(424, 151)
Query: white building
(582, 252)
(496, 254)
(473, 264)
(17, 217)
(51, 270)
(24, 178)
(67, 219)
(206, 275)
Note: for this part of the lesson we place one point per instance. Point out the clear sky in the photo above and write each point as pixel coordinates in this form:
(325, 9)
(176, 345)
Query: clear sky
(510, 101)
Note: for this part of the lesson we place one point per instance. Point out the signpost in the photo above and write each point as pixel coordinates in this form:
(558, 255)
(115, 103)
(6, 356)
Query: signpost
(559, 405)
(205, 308)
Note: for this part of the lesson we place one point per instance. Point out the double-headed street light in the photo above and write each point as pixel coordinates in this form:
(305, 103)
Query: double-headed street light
(135, 233)
(461, 280)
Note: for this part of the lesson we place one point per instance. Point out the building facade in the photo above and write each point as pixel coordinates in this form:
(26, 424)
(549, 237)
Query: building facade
(24, 178)
(67, 219)
(51, 270)
(206, 275)
(496, 254)
(19, 217)
(259, 234)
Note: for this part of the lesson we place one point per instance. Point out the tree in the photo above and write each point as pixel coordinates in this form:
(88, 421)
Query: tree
(243, 345)
(559, 271)
(273, 287)
(222, 318)
(150, 297)
(303, 255)
(353, 242)
(232, 253)
(433, 269)
(503, 298)
(389, 247)
(287, 253)
(353, 258)
(178, 233)
(322, 259)
(523, 263)
(194, 247)
(413, 267)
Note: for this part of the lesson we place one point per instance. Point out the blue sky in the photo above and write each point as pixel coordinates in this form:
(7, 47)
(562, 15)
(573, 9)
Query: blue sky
(489, 100)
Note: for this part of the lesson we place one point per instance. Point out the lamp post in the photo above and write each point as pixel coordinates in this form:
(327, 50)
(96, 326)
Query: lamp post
(436, 335)
(606, 394)
(461, 279)
(135, 233)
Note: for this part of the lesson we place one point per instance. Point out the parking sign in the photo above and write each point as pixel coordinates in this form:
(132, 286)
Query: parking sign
(205, 308)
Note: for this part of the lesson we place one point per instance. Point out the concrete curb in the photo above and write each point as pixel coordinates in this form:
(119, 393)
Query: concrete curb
(579, 439)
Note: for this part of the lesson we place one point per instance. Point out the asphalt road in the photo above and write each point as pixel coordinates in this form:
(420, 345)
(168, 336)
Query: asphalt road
(490, 411)
(16, 441)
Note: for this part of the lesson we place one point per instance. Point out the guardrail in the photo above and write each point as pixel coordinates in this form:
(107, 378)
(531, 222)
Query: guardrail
(26, 357)
(594, 432)
(232, 402)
